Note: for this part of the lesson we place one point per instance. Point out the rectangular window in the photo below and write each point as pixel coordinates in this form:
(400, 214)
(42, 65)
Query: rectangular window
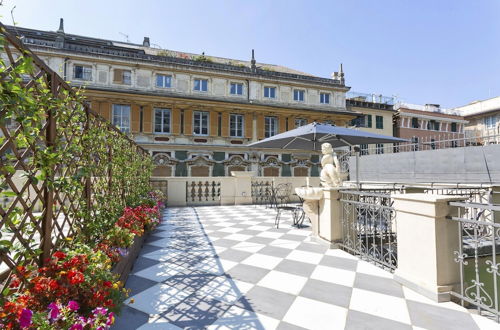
(414, 123)
(236, 125)
(270, 92)
(298, 95)
(454, 127)
(490, 122)
(414, 141)
(363, 149)
(200, 85)
(163, 81)
(358, 122)
(433, 144)
(324, 98)
(121, 117)
(123, 77)
(200, 123)
(300, 122)
(162, 120)
(368, 121)
(379, 122)
(236, 89)
(82, 72)
(271, 126)
(379, 148)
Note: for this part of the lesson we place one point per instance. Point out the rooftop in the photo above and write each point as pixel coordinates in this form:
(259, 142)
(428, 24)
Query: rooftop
(125, 50)
(479, 107)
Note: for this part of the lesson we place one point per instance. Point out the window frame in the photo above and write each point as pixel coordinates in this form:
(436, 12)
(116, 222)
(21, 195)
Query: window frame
(379, 120)
(300, 119)
(83, 66)
(164, 76)
(236, 84)
(121, 108)
(163, 110)
(413, 121)
(368, 121)
(269, 88)
(201, 80)
(298, 92)
(323, 97)
(241, 122)
(454, 127)
(267, 124)
(201, 113)
(490, 121)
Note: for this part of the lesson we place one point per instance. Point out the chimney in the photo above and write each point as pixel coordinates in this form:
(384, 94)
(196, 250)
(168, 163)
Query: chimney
(61, 26)
(145, 42)
(253, 66)
(60, 34)
(341, 74)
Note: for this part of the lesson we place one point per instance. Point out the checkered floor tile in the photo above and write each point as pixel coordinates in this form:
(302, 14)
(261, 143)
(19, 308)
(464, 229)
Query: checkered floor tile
(228, 267)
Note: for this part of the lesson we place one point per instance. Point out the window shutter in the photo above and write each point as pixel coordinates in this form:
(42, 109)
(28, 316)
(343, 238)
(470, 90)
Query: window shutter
(176, 121)
(282, 124)
(260, 127)
(118, 76)
(188, 122)
(135, 117)
(105, 110)
(225, 124)
(248, 125)
(147, 119)
(213, 123)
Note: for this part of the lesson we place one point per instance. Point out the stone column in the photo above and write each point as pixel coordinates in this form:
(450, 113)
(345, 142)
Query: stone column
(176, 192)
(426, 240)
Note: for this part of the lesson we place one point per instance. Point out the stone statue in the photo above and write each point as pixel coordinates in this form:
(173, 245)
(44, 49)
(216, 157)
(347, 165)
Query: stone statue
(330, 175)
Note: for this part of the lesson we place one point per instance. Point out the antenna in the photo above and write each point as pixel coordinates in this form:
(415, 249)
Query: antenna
(125, 35)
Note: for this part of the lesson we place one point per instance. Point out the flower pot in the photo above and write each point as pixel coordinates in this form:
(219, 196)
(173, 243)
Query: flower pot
(126, 262)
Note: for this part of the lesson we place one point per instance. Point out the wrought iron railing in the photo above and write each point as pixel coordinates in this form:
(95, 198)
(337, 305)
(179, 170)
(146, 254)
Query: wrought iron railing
(203, 192)
(369, 227)
(54, 174)
(261, 191)
(478, 257)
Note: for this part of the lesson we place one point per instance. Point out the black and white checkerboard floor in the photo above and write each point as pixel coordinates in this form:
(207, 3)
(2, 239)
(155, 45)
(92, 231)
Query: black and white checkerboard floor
(227, 267)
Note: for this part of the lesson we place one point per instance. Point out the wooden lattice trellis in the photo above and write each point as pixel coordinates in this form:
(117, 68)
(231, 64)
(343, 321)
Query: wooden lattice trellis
(45, 200)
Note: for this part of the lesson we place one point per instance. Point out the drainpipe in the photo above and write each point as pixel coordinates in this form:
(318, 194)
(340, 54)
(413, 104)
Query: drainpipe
(65, 68)
(248, 90)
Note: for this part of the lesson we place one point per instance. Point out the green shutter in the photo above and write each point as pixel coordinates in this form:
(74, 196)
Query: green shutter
(369, 124)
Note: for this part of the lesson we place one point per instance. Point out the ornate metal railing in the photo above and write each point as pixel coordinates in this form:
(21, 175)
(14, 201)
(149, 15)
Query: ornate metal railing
(261, 190)
(369, 227)
(203, 192)
(61, 164)
(477, 256)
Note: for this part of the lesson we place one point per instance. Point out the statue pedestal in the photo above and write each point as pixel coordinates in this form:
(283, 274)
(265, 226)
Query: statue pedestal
(330, 211)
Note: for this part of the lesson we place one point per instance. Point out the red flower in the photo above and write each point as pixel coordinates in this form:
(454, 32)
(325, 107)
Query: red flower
(108, 284)
(75, 277)
(59, 255)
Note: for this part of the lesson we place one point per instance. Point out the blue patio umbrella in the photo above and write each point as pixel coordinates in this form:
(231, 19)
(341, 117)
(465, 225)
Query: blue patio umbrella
(312, 136)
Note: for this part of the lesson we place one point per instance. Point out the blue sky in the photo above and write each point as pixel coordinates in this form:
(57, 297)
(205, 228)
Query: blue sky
(426, 51)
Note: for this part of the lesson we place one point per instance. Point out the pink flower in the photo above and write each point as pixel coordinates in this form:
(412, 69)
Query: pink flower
(100, 311)
(76, 326)
(111, 319)
(54, 311)
(25, 318)
(73, 305)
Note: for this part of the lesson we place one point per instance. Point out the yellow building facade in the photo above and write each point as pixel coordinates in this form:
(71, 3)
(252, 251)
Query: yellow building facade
(196, 113)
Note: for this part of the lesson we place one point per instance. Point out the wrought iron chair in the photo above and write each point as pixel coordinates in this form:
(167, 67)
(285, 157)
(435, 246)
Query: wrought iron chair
(281, 199)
